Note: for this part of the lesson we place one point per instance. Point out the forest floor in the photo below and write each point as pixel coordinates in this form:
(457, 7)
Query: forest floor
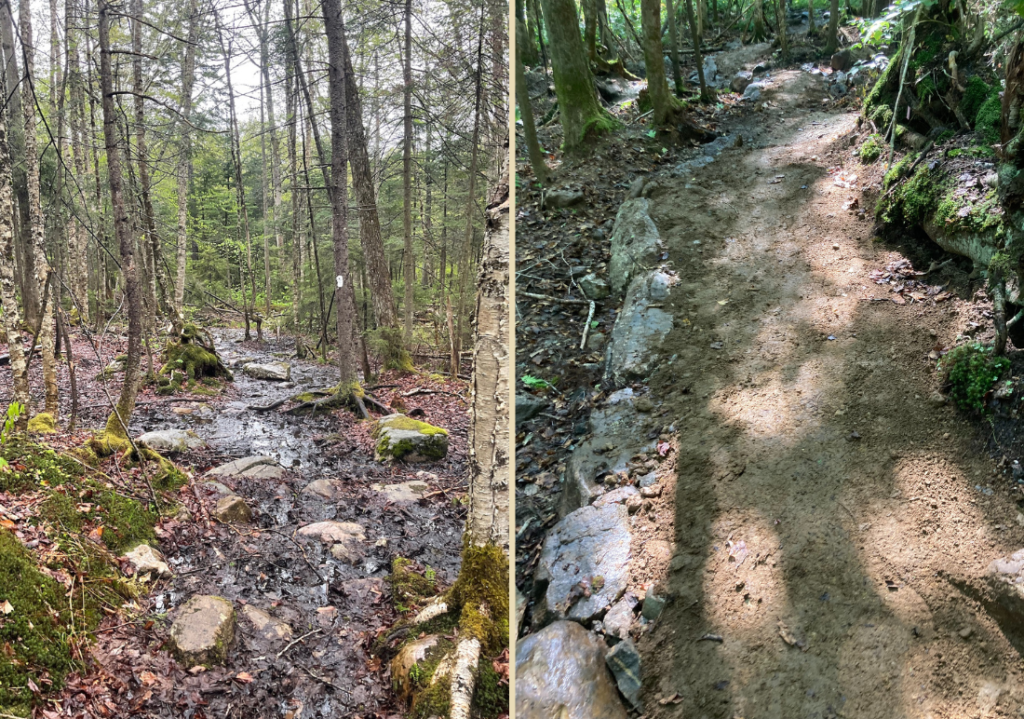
(824, 517)
(336, 610)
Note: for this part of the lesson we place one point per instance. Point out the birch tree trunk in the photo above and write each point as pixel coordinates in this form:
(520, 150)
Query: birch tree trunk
(408, 260)
(35, 215)
(8, 298)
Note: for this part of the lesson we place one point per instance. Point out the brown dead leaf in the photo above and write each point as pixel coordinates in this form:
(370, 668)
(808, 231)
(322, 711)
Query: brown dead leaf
(147, 678)
(243, 677)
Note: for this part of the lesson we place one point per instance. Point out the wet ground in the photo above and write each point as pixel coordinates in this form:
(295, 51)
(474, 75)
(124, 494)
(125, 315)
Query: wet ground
(335, 609)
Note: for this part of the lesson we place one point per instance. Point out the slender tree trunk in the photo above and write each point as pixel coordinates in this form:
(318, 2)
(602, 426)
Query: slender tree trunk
(409, 259)
(188, 72)
(117, 424)
(581, 114)
(79, 251)
(344, 294)
(11, 315)
(534, 8)
(673, 39)
(832, 42)
(292, 118)
(657, 87)
(264, 188)
(780, 20)
(35, 212)
(759, 33)
(707, 94)
(590, 28)
(540, 168)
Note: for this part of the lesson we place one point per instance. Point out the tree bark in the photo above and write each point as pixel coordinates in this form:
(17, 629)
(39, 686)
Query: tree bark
(79, 250)
(540, 168)
(117, 424)
(35, 214)
(673, 39)
(581, 114)
(408, 258)
(188, 73)
(11, 314)
(832, 43)
(657, 86)
(707, 94)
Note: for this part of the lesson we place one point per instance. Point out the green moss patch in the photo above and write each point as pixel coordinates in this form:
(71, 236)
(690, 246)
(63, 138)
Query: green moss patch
(410, 587)
(480, 595)
(971, 371)
(871, 149)
(42, 423)
(36, 634)
(988, 118)
(976, 92)
(31, 465)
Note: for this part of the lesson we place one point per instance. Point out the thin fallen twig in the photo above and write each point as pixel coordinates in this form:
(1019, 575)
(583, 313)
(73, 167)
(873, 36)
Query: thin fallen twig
(565, 300)
(296, 641)
(586, 326)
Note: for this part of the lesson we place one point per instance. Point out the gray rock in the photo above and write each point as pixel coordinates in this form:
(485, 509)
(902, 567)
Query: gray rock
(590, 545)
(741, 80)
(232, 510)
(654, 603)
(594, 287)
(561, 673)
(1004, 592)
(521, 603)
(639, 328)
(261, 467)
(402, 492)
(761, 68)
(528, 407)
(651, 491)
(620, 618)
(169, 441)
(624, 662)
(203, 631)
(616, 496)
(752, 91)
(843, 60)
(615, 437)
(271, 630)
(402, 438)
(595, 342)
(323, 488)
(346, 538)
(274, 371)
(635, 243)
(710, 70)
(557, 199)
(649, 480)
(636, 188)
(148, 563)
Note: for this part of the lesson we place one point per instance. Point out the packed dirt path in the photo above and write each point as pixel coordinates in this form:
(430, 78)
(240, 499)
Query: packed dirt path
(827, 516)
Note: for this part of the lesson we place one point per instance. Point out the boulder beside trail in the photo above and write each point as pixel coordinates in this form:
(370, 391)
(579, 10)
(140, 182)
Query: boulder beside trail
(148, 563)
(203, 630)
(584, 565)
(561, 672)
(528, 407)
(258, 467)
(635, 243)
(170, 441)
(409, 440)
(232, 510)
(641, 325)
(273, 371)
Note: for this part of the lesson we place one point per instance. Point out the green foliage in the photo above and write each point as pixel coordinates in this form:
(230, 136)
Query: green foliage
(988, 118)
(536, 383)
(870, 149)
(971, 371)
(975, 93)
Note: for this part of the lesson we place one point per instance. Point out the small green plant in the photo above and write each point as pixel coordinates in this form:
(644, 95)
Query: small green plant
(430, 574)
(415, 673)
(536, 382)
(971, 371)
(15, 410)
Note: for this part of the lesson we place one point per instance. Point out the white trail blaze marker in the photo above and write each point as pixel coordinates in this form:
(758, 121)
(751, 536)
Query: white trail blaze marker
(341, 281)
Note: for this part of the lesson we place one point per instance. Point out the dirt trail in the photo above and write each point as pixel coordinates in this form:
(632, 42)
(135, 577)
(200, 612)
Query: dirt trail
(336, 607)
(806, 446)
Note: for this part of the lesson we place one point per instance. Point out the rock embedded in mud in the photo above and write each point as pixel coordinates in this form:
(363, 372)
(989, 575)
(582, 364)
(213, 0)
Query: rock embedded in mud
(620, 617)
(588, 549)
(268, 628)
(257, 467)
(558, 199)
(624, 662)
(635, 243)
(170, 441)
(654, 602)
(232, 510)
(640, 326)
(148, 563)
(1005, 592)
(595, 342)
(323, 488)
(273, 371)
(594, 288)
(403, 491)
(740, 81)
(561, 672)
(401, 438)
(410, 660)
(617, 496)
(528, 407)
(203, 630)
(752, 91)
(346, 538)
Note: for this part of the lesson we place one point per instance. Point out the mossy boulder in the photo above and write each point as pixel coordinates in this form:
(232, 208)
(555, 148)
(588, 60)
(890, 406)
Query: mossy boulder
(409, 440)
(192, 358)
(203, 631)
(42, 423)
(170, 441)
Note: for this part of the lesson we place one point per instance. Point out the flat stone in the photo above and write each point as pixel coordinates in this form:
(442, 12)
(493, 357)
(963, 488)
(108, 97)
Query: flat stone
(148, 563)
(402, 492)
(635, 243)
(624, 662)
(639, 328)
(273, 371)
(169, 441)
(402, 438)
(258, 467)
(218, 488)
(232, 510)
(741, 80)
(528, 407)
(616, 496)
(592, 546)
(331, 531)
(561, 673)
(323, 488)
(558, 199)
(203, 630)
(594, 288)
(620, 617)
(654, 603)
(268, 628)
(649, 480)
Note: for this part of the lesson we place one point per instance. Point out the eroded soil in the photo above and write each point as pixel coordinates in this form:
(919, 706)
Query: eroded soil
(821, 514)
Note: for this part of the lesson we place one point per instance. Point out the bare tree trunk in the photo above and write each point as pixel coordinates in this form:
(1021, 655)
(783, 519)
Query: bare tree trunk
(657, 86)
(673, 38)
(117, 424)
(540, 168)
(11, 315)
(35, 213)
(408, 258)
(79, 239)
(780, 20)
(344, 294)
(707, 94)
(188, 72)
(292, 117)
(832, 42)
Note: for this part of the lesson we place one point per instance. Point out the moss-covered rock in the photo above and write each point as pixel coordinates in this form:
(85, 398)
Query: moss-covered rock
(870, 150)
(409, 440)
(42, 423)
(203, 631)
(988, 118)
(191, 359)
(976, 92)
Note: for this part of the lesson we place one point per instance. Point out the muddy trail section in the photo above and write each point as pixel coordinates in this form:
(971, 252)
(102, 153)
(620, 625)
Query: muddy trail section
(824, 521)
(308, 614)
